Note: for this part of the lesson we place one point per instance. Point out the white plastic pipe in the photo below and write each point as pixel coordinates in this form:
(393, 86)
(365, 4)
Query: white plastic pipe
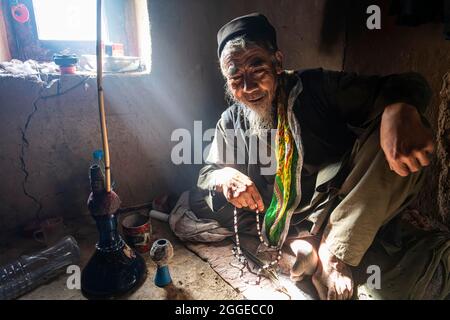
(158, 215)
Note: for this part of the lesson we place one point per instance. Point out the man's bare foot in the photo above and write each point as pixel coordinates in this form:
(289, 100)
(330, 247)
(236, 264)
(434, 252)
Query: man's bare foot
(333, 278)
(306, 259)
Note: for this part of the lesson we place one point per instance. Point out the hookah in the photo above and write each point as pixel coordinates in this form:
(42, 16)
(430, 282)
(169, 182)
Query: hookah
(114, 269)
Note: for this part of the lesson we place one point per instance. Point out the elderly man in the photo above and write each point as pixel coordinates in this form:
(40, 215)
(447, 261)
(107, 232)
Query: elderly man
(349, 152)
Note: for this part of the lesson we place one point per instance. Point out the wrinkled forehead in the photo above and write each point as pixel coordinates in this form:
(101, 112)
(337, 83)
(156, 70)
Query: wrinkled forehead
(237, 58)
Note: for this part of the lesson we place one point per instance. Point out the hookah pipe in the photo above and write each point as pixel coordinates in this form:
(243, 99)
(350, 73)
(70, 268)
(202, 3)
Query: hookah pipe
(114, 269)
(108, 202)
(161, 253)
(100, 97)
(113, 197)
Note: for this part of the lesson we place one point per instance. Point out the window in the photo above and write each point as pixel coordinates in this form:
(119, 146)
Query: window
(69, 27)
(69, 20)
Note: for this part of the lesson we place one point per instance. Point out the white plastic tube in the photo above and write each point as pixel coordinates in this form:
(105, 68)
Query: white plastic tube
(158, 215)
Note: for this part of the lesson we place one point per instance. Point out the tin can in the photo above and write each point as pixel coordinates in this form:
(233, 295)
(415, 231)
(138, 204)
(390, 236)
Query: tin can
(137, 230)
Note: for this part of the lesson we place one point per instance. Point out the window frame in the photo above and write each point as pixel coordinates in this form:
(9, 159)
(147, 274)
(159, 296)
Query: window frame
(24, 42)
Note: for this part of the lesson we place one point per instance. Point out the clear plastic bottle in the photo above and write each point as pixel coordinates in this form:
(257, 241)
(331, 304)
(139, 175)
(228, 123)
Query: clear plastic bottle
(30, 271)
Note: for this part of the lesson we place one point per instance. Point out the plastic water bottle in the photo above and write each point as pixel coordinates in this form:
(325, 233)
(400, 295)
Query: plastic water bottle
(98, 157)
(30, 271)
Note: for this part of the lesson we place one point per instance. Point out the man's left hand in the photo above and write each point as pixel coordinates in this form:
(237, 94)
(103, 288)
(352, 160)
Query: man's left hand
(407, 143)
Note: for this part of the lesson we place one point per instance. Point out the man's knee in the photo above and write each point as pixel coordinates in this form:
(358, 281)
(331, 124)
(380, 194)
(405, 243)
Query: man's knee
(370, 197)
(201, 209)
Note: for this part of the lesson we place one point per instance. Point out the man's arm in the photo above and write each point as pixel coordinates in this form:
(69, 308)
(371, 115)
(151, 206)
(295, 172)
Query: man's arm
(223, 179)
(215, 161)
(398, 101)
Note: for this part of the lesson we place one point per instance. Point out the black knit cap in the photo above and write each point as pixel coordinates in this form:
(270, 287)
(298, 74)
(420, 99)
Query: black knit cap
(254, 26)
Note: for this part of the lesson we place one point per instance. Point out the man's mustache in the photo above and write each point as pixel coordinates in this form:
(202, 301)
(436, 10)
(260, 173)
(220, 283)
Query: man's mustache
(255, 96)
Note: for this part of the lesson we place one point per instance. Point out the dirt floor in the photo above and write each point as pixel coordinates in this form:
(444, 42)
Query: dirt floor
(192, 277)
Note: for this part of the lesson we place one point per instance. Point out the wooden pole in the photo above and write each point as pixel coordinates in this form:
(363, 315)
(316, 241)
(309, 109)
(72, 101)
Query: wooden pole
(101, 101)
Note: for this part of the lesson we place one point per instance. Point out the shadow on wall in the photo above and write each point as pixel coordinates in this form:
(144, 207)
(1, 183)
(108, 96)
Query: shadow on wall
(46, 161)
(334, 25)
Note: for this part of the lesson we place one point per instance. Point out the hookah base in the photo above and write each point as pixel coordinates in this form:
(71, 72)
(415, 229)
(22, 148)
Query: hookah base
(113, 274)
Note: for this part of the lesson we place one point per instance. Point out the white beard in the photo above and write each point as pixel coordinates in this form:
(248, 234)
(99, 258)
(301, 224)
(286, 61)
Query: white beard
(261, 118)
(261, 121)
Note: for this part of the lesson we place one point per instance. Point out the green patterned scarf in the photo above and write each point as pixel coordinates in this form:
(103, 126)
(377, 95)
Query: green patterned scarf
(285, 192)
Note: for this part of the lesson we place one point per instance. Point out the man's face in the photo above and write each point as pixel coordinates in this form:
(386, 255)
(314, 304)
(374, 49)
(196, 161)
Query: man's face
(251, 76)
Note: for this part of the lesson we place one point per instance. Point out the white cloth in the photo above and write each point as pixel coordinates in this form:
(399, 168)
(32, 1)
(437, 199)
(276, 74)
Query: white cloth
(187, 227)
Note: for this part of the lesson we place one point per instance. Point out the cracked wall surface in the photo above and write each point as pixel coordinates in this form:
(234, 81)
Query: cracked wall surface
(46, 148)
(14, 204)
(46, 141)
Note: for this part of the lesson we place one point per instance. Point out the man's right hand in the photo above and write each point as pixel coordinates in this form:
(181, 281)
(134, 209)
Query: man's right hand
(238, 189)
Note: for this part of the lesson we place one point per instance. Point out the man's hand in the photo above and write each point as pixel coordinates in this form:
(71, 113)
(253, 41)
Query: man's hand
(238, 189)
(406, 142)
